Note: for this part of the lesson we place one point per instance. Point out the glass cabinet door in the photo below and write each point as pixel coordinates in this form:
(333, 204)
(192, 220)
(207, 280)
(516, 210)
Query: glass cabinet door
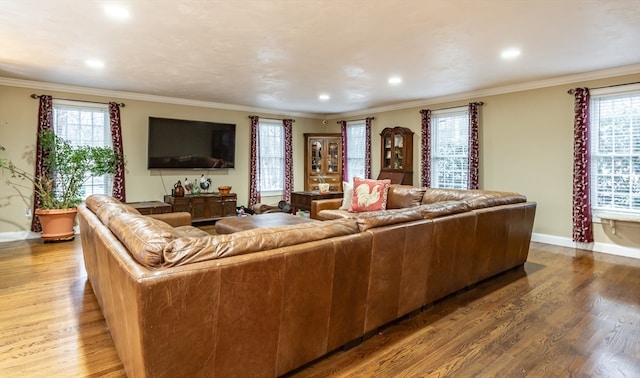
(332, 157)
(387, 152)
(397, 145)
(316, 156)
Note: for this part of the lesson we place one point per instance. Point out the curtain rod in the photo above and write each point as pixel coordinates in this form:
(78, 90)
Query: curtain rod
(570, 91)
(35, 96)
(272, 119)
(459, 106)
(353, 120)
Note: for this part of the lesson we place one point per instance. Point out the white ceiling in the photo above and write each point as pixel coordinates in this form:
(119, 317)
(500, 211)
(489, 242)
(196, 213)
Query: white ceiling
(282, 54)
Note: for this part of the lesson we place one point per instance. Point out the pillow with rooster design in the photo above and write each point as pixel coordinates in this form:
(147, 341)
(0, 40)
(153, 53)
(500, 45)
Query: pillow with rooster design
(369, 195)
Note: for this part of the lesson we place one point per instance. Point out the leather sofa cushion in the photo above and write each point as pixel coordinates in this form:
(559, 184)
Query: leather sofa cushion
(495, 199)
(144, 237)
(374, 218)
(190, 250)
(94, 201)
(388, 217)
(475, 198)
(190, 232)
(107, 207)
(433, 195)
(439, 209)
(107, 211)
(403, 196)
(330, 214)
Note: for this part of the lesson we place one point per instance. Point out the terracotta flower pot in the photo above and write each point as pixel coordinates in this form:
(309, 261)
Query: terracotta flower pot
(57, 224)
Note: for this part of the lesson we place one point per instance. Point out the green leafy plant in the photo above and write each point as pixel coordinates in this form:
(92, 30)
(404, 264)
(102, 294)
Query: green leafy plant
(65, 169)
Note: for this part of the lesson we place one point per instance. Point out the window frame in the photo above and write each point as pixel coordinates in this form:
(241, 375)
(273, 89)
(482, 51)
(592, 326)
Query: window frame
(104, 184)
(447, 113)
(600, 213)
(271, 123)
(350, 126)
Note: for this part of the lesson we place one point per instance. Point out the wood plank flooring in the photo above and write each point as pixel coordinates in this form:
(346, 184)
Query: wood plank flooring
(567, 313)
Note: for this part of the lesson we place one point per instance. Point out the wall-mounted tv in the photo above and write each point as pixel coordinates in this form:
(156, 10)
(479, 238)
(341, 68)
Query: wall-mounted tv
(184, 144)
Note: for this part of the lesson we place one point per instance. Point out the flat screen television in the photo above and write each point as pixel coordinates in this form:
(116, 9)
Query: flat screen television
(184, 144)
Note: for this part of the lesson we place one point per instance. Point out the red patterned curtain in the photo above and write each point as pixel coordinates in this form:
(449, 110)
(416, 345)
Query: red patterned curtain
(367, 152)
(116, 140)
(288, 158)
(254, 169)
(343, 131)
(45, 122)
(582, 220)
(425, 158)
(473, 146)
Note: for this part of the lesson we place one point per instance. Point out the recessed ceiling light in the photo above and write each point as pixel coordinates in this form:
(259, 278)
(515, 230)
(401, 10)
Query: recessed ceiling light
(94, 63)
(117, 12)
(395, 80)
(324, 97)
(510, 53)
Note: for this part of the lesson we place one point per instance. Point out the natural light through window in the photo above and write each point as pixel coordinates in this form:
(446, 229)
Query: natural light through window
(85, 124)
(356, 149)
(271, 144)
(615, 150)
(450, 148)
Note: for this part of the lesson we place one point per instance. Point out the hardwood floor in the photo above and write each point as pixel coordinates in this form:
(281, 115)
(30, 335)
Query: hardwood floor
(567, 313)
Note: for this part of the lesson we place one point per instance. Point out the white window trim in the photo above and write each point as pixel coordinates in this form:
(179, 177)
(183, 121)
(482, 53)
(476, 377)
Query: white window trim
(457, 109)
(356, 123)
(89, 105)
(615, 90)
(440, 112)
(607, 215)
(271, 193)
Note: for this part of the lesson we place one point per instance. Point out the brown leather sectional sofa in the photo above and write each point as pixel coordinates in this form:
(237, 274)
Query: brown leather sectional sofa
(263, 302)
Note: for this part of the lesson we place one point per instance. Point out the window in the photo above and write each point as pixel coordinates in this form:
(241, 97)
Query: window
(85, 124)
(356, 149)
(615, 150)
(271, 144)
(450, 148)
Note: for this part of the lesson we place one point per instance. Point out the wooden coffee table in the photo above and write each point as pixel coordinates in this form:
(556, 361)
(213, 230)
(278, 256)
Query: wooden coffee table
(230, 225)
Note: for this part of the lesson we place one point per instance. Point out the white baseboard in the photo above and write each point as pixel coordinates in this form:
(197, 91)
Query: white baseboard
(612, 249)
(24, 235)
(18, 235)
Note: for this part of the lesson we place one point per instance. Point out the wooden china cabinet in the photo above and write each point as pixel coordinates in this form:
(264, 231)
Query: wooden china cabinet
(397, 155)
(323, 161)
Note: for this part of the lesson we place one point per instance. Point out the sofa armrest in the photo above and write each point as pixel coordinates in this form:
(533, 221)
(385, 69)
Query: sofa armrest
(325, 204)
(181, 218)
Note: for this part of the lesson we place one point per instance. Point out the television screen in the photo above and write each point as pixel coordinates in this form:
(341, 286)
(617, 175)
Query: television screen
(175, 143)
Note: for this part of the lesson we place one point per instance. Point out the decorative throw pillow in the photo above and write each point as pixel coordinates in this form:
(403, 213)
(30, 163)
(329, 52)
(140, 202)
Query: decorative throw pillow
(347, 196)
(369, 195)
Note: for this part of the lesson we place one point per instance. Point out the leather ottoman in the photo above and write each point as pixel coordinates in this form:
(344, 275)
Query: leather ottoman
(230, 225)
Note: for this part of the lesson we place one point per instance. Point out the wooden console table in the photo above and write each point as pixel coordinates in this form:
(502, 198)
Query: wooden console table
(204, 207)
(150, 207)
(302, 200)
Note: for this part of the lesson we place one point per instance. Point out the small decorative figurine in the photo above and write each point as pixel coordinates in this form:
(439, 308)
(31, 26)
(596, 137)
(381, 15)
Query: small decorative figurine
(178, 190)
(205, 183)
(187, 185)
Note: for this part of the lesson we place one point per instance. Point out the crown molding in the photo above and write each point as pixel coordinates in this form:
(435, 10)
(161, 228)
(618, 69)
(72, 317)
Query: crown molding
(120, 95)
(562, 80)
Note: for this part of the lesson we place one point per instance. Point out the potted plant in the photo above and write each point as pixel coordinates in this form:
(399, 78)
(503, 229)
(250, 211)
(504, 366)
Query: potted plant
(65, 169)
(323, 186)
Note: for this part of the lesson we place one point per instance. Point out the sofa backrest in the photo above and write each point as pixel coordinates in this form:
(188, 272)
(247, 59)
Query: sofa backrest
(403, 196)
(476, 199)
(187, 250)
